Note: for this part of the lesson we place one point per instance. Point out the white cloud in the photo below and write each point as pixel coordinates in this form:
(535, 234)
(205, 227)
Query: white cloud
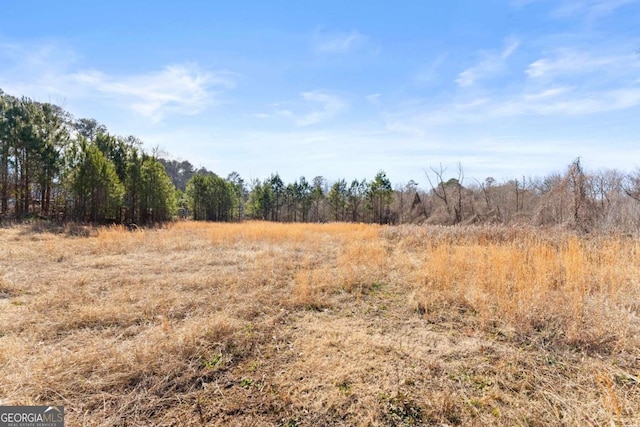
(552, 104)
(429, 73)
(472, 104)
(572, 62)
(177, 89)
(492, 63)
(591, 9)
(374, 99)
(51, 72)
(337, 42)
(568, 81)
(36, 70)
(324, 107)
(555, 102)
(20, 56)
(547, 93)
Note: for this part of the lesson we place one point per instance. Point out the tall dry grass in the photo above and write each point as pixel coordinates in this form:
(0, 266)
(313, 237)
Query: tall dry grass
(269, 324)
(552, 286)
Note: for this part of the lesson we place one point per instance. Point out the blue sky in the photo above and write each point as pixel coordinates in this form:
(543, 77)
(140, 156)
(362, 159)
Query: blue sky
(343, 89)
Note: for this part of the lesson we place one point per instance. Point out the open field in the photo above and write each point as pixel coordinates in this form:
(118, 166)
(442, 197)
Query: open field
(321, 324)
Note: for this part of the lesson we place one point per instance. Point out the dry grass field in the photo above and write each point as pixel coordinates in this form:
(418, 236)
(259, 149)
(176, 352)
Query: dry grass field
(249, 324)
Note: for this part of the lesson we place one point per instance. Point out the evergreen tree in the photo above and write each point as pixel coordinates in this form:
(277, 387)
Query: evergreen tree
(240, 194)
(355, 196)
(260, 200)
(134, 186)
(337, 199)
(158, 199)
(5, 146)
(96, 188)
(304, 198)
(379, 196)
(211, 198)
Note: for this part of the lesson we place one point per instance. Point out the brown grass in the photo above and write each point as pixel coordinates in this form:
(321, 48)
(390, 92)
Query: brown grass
(320, 324)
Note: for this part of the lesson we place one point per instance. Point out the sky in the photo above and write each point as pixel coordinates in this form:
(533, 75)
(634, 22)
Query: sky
(343, 89)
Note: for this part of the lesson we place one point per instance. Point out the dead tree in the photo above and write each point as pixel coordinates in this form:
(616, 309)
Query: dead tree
(452, 202)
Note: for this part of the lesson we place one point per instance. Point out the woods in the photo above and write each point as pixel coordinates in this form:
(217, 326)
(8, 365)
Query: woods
(57, 167)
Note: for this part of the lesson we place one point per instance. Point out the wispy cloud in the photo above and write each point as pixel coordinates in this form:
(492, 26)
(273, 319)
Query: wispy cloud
(492, 63)
(547, 93)
(591, 9)
(337, 42)
(564, 102)
(50, 70)
(572, 62)
(551, 103)
(324, 106)
(177, 89)
(429, 74)
(570, 81)
(35, 69)
(374, 99)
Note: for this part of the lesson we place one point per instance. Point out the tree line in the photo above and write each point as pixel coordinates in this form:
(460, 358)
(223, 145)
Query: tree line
(575, 198)
(57, 167)
(54, 166)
